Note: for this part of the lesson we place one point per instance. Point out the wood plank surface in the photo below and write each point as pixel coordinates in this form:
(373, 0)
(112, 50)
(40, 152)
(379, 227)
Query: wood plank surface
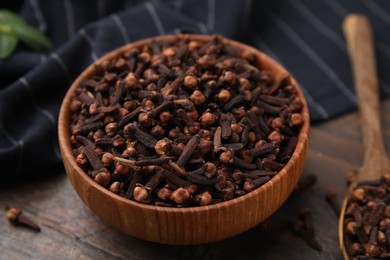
(71, 231)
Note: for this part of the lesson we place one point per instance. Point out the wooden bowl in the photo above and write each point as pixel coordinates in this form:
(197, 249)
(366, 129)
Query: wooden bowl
(193, 225)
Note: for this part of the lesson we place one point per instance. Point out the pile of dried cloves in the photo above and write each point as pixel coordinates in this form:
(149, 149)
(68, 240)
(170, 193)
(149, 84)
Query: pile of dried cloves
(367, 220)
(184, 123)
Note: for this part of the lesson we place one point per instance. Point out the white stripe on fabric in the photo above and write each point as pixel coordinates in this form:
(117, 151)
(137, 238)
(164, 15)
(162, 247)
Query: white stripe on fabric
(177, 31)
(43, 58)
(69, 17)
(337, 8)
(202, 27)
(342, 12)
(121, 27)
(89, 40)
(310, 100)
(301, 44)
(41, 110)
(19, 143)
(323, 29)
(157, 22)
(210, 14)
(265, 48)
(62, 65)
(246, 15)
(38, 14)
(101, 8)
(317, 23)
(385, 17)
(377, 10)
(21, 149)
(320, 109)
(383, 48)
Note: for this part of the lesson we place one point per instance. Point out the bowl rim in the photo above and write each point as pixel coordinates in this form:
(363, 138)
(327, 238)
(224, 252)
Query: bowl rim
(64, 121)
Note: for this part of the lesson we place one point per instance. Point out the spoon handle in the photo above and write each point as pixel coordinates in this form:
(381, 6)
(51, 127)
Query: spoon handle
(358, 34)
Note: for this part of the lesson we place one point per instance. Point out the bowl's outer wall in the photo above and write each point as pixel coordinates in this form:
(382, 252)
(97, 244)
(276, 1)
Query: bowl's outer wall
(184, 225)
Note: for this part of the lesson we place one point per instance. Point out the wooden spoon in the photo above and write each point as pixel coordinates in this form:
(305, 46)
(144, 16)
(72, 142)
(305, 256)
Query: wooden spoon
(358, 34)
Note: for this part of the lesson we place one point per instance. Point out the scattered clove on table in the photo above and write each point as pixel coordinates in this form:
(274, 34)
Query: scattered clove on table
(16, 217)
(303, 226)
(305, 182)
(331, 199)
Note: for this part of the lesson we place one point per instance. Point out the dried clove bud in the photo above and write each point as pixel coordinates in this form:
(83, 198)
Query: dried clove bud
(198, 118)
(180, 196)
(17, 218)
(366, 223)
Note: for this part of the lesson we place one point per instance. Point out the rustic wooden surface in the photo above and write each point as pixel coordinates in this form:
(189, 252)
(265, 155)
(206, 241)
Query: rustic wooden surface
(71, 231)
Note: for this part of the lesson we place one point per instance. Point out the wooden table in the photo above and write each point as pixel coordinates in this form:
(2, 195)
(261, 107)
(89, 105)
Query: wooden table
(70, 230)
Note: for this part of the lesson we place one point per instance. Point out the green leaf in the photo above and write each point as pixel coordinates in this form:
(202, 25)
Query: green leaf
(26, 33)
(8, 42)
(9, 17)
(31, 37)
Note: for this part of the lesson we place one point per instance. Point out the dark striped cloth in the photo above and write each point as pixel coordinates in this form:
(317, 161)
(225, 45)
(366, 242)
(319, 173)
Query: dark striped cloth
(303, 35)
